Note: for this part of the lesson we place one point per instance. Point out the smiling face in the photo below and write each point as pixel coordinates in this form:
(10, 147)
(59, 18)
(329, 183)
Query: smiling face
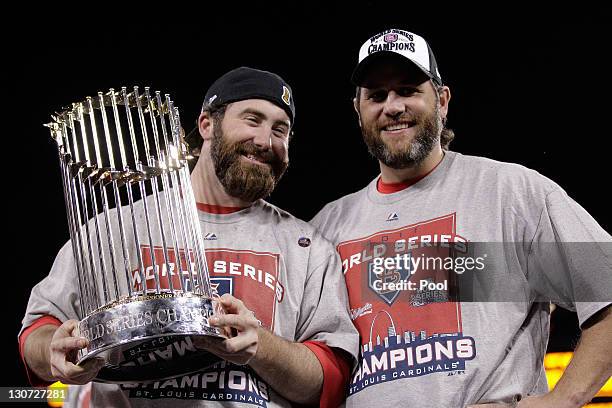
(400, 114)
(249, 148)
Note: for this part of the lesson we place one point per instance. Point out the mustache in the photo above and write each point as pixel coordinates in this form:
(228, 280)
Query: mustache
(249, 148)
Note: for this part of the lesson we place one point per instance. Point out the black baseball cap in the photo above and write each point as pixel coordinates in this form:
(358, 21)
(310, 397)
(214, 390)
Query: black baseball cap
(245, 83)
(249, 83)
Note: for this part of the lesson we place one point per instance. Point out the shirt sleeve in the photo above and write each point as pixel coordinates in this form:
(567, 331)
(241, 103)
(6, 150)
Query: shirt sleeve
(570, 258)
(57, 294)
(52, 301)
(324, 311)
(323, 221)
(336, 371)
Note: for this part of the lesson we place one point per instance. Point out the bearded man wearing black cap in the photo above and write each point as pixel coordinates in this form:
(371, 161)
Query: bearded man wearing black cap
(290, 338)
(451, 261)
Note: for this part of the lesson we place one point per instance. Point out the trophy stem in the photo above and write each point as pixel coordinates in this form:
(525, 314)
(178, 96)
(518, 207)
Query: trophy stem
(124, 244)
(137, 241)
(183, 232)
(178, 197)
(93, 288)
(171, 216)
(141, 268)
(163, 165)
(98, 241)
(143, 195)
(116, 195)
(155, 191)
(189, 208)
(82, 176)
(72, 228)
(99, 177)
(96, 178)
(72, 172)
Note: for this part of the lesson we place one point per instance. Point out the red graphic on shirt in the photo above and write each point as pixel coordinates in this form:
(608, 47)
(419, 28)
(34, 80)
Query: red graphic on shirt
(382, 312)
(254, 278)
(248, 275)
(189, 281)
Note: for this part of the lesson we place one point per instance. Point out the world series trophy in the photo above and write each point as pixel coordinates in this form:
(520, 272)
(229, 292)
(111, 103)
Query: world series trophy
(141, 269)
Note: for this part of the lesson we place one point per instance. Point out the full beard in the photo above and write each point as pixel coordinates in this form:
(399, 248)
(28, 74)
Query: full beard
(247, 181)
(411, 153)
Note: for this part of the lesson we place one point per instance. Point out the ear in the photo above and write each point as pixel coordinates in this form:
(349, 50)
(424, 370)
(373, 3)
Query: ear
(356, 107)
(445, 96)
(205, 125)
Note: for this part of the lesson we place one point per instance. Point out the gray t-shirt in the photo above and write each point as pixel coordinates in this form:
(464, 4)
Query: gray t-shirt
(436, 335)
(282, 269)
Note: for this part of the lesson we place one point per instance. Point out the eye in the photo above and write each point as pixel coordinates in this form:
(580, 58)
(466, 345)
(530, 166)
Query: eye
(377, 96)
(280, 131)
(407, 91)
(252, 119)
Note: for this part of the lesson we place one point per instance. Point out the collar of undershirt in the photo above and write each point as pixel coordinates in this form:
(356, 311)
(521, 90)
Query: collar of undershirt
(217, 209)
(389, 188)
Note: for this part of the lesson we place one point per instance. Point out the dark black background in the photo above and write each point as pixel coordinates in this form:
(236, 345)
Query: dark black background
(528, 86)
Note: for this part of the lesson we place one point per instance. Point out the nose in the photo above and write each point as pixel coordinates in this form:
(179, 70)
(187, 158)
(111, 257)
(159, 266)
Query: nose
(394, 105)
(263, 138)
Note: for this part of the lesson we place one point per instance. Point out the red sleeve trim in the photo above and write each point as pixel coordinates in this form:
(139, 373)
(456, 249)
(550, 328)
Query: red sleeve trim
(336, 372)
(41, 321)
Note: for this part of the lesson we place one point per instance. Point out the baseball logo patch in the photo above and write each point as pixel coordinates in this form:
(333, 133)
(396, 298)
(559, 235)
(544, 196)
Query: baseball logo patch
(392, 37)
(286, 95)
(304, 242)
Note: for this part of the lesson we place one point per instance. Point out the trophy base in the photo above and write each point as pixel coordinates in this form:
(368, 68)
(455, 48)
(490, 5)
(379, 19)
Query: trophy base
(148, 338)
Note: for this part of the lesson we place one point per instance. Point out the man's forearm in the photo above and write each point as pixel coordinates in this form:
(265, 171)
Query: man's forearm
(290, 368)
(591, 365)
(36, 351)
